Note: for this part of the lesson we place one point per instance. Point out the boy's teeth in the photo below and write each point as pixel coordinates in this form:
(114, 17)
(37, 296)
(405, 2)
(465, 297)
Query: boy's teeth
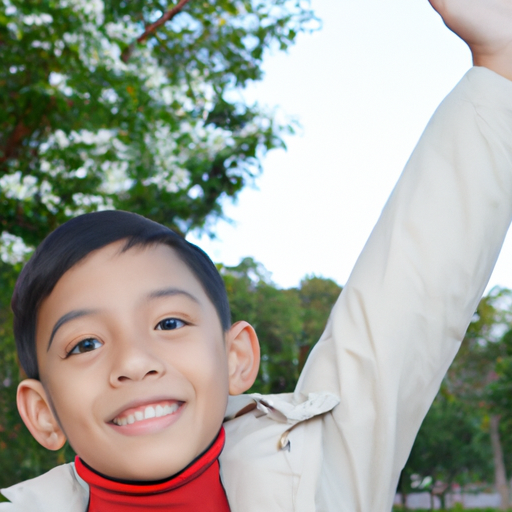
(148, 413)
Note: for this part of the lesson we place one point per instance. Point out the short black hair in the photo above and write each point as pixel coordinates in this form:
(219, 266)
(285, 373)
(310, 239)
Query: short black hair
(73, 241)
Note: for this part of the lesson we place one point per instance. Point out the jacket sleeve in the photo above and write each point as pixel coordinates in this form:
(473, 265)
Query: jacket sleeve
(58, 490)
(399, 321)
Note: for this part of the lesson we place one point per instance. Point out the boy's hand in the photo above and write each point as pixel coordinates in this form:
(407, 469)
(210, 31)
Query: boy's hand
(486, 26)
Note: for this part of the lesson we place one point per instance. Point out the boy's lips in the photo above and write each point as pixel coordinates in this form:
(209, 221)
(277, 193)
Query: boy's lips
(146, 412)
(147, 417)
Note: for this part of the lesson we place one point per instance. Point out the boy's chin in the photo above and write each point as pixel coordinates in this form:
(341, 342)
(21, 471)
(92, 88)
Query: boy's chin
(148, 461)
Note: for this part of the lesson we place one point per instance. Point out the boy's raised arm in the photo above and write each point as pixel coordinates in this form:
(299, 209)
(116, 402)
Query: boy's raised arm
(399, 321)
(485, 26)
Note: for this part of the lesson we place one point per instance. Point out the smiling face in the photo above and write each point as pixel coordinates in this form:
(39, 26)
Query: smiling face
(132, 353)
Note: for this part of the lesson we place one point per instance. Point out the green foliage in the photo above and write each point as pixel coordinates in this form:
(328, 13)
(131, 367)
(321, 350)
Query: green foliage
(275, 314)
(500, 397)
(481, 373)
(451, 447)
(474, 367)
(453, 444)
(317, 297)
(501, 388)
(165, 134)
(286, 321)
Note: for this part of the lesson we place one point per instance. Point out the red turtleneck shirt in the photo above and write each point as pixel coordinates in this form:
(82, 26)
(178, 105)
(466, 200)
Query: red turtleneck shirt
(197, 487)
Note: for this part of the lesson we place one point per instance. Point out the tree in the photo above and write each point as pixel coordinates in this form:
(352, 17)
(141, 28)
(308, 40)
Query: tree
(473, 374)
(450, 447)
(288, 322)
(277, 318)
(500, 394)
(463, 435)
(100, 108)
(89, 120)
(317, 296)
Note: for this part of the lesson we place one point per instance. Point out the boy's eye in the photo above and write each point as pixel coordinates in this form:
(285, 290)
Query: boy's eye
(86, 345)
(169, 324)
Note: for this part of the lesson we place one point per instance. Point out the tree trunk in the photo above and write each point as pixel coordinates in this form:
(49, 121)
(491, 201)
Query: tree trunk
(402, 490)
(404, 501)
(442, 497)
(500, 476)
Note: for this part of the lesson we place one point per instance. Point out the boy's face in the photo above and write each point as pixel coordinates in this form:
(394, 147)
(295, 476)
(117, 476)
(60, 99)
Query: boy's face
(133, 335)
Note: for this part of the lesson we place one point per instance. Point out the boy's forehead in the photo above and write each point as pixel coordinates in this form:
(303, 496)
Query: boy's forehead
(136, 270)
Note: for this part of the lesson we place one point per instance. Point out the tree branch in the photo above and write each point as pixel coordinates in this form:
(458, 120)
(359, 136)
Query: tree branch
(14, 141)
(169, 15)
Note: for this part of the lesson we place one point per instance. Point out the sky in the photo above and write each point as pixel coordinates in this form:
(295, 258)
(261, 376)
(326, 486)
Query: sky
(363, 88)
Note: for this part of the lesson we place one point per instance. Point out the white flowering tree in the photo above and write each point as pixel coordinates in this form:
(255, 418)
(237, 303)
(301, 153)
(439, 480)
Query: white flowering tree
(91, 118)
(123, 104)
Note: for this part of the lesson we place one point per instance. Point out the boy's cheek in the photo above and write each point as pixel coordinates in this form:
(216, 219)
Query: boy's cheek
(83, 423)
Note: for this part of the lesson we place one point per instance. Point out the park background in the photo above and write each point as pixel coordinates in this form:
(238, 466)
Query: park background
(174, 133)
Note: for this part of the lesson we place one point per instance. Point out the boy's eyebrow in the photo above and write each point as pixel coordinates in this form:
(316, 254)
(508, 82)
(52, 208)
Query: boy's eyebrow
(164, 292)
(66, 318)
(167, 292)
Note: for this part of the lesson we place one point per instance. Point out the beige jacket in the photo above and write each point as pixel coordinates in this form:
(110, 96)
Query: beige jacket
(338, 443)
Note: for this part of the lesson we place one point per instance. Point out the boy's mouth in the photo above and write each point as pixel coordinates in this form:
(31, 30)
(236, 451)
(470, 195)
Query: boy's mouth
(146, 412)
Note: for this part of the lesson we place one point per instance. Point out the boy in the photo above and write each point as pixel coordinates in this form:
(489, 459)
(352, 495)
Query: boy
(126, 338)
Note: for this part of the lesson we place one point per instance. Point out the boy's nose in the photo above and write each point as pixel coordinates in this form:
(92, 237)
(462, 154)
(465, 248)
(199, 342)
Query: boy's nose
(135, 363)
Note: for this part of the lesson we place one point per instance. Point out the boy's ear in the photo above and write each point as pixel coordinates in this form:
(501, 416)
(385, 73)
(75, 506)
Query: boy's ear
(36, 413)
(243, 357)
